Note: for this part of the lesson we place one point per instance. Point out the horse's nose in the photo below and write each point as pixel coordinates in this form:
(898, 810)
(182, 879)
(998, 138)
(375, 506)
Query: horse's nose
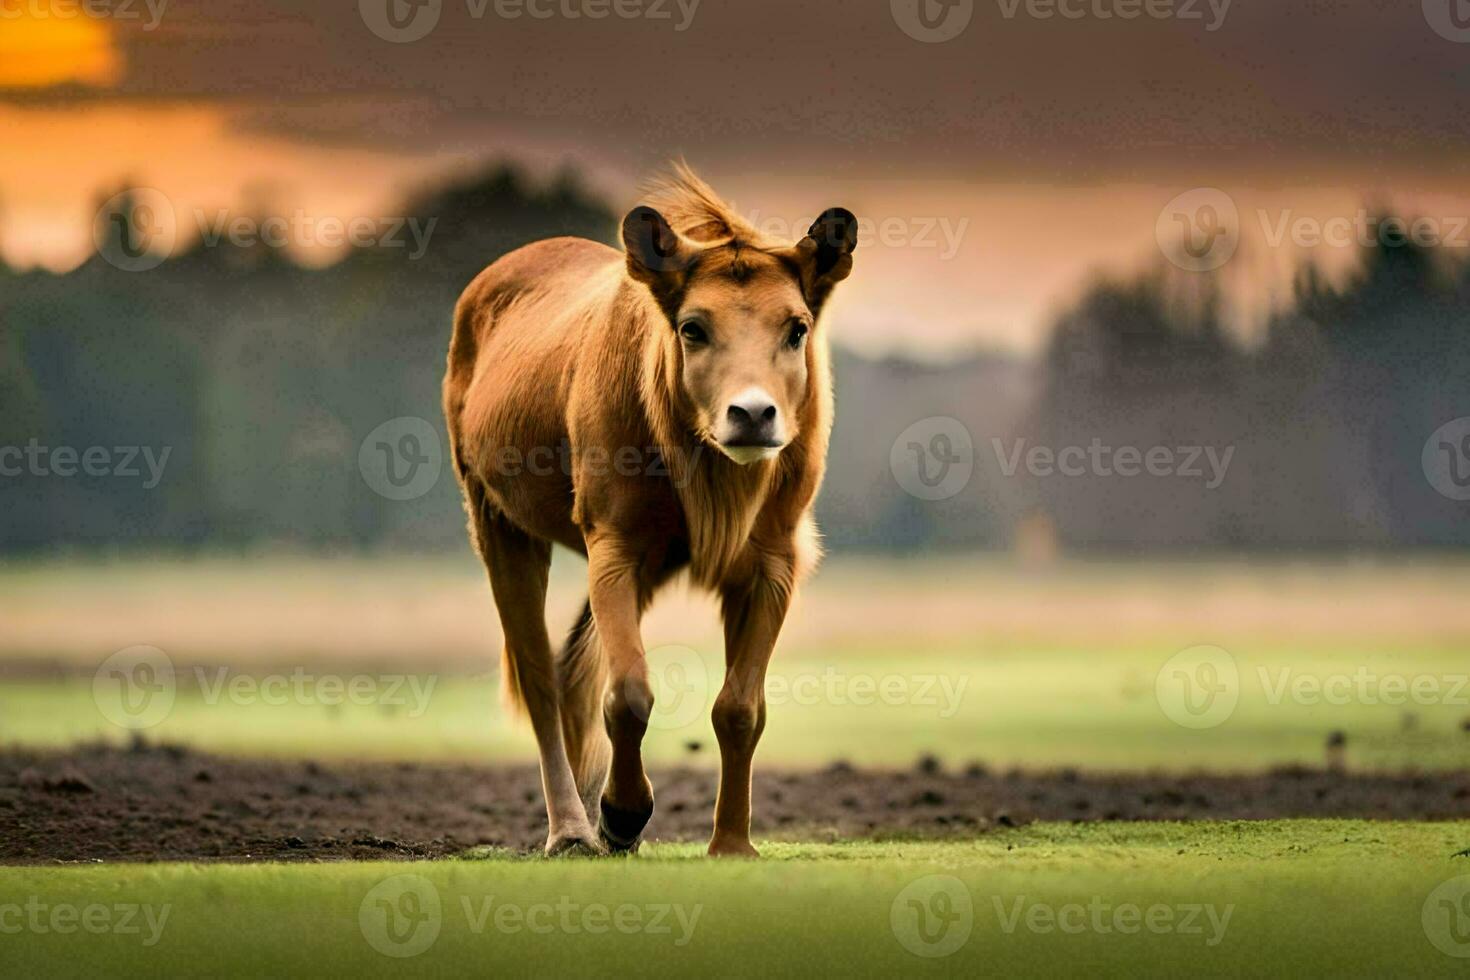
(749, 415)
(752, 416)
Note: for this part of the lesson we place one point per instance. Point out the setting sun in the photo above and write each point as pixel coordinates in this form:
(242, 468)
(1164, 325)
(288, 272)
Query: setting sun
(40, 48)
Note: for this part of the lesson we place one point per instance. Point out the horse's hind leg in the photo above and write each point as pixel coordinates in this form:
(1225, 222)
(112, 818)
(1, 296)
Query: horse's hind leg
(518, 565)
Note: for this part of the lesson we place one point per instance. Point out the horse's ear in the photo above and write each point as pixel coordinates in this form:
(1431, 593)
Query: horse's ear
(824, 256)
(657, 255)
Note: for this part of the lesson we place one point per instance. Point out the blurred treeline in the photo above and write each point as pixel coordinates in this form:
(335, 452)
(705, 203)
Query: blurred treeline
(264, 376)
(1328, 414)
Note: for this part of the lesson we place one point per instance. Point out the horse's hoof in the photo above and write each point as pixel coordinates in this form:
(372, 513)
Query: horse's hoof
(573, 845)
(621, 831)
(733, 849)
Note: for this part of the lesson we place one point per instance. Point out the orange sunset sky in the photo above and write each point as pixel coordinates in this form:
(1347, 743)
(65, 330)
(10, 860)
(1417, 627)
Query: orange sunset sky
(999, 170)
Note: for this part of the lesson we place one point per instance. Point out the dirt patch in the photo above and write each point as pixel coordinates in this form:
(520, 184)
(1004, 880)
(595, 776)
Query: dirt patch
(152, 803)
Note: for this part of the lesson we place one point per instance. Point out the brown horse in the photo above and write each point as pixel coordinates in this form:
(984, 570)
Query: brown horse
(661, 411)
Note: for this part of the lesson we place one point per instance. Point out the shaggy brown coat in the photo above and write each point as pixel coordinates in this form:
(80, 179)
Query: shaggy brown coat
(585, 398)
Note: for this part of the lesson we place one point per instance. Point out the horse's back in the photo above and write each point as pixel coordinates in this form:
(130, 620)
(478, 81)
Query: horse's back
(516, 301)
(518, 328)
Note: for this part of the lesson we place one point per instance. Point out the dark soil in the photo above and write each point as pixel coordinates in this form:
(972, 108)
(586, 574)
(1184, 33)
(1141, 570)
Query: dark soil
(151, 803)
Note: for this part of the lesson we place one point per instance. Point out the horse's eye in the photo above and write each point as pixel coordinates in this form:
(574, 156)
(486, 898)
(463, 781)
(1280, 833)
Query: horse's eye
(693, 332)
(796, 336)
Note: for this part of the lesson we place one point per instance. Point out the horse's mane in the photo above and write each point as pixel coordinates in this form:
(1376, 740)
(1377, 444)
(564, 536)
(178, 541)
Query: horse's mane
(694, 210)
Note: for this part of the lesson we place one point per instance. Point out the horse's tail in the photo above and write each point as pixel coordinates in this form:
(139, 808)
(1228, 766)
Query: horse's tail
(581, 672)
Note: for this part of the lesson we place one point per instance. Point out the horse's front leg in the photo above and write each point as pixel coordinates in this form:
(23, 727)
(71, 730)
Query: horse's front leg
(617, 596)
(753, 613)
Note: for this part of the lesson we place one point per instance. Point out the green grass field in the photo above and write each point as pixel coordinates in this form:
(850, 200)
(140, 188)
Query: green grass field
(1035, 708)
(1101, 667)
(881, 662)
(1341, 898)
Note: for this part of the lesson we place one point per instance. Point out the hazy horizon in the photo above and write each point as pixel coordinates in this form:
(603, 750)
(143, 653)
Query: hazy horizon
(1000, 170)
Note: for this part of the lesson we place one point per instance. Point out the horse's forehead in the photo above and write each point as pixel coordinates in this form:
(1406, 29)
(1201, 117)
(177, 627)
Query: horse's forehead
(759, 284)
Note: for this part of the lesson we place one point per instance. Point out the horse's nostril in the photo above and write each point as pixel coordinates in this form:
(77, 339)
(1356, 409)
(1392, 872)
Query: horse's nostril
(752, 412)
